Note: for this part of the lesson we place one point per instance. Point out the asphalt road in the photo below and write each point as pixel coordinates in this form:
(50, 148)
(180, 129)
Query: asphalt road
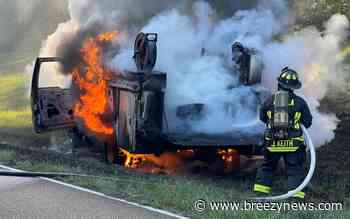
(37, 198)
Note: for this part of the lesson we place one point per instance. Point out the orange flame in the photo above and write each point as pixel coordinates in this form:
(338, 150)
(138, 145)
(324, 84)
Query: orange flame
(170, 162)
(91, 78)
(107, 37)
(167, 162)
(230, 158)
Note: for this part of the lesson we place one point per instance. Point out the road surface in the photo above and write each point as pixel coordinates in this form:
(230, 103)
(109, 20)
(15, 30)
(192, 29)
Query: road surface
(35, 198)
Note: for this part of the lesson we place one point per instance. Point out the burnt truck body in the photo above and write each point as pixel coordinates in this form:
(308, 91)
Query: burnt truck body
(138, 116)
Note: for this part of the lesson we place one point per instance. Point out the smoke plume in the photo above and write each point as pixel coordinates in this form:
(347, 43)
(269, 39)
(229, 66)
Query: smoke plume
(24, 24)
(185, 27)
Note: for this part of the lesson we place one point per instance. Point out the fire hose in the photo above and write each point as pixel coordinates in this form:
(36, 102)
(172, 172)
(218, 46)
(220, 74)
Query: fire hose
(308, 177)
(28, 174)
(41, 174)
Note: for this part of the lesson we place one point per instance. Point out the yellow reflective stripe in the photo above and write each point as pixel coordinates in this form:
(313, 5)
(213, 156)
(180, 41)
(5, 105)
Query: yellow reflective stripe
(262, 188)
(283, 149)
(297, 118)
(295, 77)
(301, 138)
(291, 103)
(269, 114)
(299, 195)
(289, 77)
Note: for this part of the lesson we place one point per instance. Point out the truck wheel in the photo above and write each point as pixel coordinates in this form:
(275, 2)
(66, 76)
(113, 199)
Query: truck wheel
(255, 69)
(151, 56)
(145, 52)
(139, 50)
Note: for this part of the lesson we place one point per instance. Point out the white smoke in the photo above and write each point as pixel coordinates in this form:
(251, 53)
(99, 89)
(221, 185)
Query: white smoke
(193, 78)
(316, 57)
(196, 79)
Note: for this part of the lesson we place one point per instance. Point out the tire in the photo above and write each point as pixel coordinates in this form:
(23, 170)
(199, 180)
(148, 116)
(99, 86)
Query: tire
(145, 53)
(140, 39)
(151, 56)
(255, 69)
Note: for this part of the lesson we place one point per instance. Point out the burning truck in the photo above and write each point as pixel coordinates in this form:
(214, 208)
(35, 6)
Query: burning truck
(124, 114)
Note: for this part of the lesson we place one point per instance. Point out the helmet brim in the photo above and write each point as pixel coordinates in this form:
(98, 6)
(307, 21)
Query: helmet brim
(295, 86)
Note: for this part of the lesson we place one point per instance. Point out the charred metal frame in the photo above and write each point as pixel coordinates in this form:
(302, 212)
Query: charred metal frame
(52, 92)
(138, 117)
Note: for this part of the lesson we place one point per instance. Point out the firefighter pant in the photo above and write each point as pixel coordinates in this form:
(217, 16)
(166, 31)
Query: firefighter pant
(294, 163)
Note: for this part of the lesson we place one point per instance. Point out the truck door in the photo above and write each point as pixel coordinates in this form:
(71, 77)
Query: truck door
(51, 102)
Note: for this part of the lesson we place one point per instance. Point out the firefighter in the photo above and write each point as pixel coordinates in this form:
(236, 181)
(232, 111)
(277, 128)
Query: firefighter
(283, 114)
(241, 60)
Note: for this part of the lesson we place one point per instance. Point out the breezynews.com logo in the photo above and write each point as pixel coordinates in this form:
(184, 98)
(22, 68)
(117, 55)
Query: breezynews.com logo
(201, 205)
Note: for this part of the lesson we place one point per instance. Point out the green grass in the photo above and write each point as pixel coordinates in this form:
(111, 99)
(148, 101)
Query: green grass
(14, 108)
(166, 192)
(15, 113)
